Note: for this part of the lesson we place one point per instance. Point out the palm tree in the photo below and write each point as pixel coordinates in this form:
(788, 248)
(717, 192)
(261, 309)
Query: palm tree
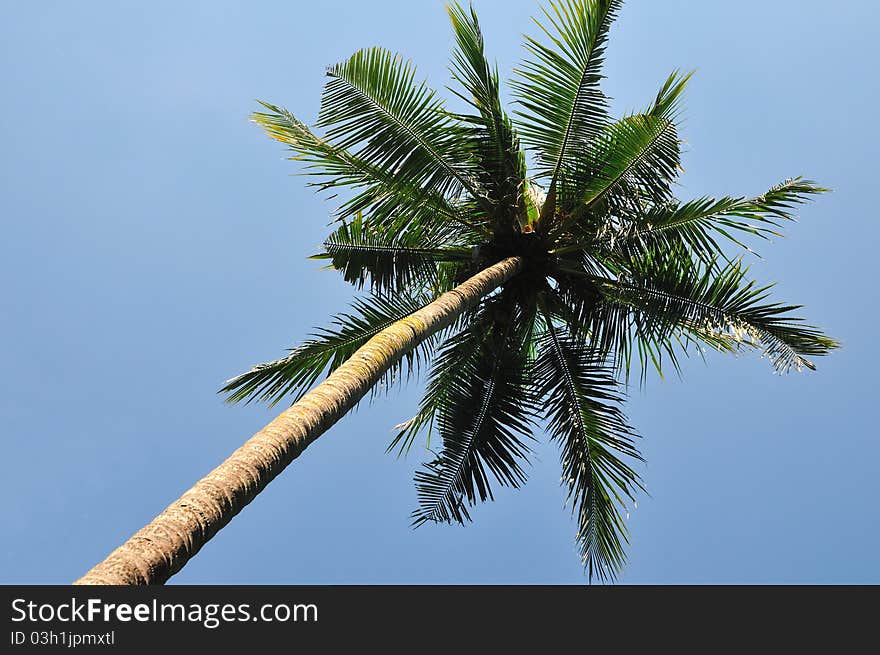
(532, 292)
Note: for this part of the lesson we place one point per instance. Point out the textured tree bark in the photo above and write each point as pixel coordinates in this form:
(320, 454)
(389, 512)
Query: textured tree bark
(161, 548)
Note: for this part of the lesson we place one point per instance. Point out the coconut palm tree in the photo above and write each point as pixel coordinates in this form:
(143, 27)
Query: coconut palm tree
(530, 292)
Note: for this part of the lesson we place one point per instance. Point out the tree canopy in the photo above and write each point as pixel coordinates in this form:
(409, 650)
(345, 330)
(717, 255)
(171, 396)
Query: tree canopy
(619, 275)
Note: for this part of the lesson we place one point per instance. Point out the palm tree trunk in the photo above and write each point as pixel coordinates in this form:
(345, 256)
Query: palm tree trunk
(161, 548)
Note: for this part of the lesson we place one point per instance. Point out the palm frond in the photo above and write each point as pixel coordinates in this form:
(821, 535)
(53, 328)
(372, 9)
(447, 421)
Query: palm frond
(611, 330)
(582, 405)
(670, 293)
(563, 107)
(482, 412)
(337, 166)
(696, 222)
(373, 103)
(635, 160)
(605, 327)
(293, 375)
(501, 165)
(391, 261)
(388, 198)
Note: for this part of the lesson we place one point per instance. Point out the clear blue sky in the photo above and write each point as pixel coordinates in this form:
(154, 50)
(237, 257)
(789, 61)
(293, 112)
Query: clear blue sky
(154, 244)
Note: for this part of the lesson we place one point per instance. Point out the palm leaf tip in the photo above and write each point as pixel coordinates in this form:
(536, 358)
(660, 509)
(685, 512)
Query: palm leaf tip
(280, 124)
(787, 195)
(668, 100)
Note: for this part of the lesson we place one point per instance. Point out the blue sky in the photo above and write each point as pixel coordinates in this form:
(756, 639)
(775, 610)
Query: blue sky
(155, 243)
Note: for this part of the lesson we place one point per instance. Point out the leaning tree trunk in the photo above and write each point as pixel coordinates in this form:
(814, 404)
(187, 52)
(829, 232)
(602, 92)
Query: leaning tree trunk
(161, 548)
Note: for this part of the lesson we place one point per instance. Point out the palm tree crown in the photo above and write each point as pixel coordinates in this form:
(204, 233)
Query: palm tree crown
(616, 273)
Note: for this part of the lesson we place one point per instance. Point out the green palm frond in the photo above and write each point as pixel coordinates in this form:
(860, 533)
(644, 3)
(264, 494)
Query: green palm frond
(483, 412)
(606, 328)
(336, 166)
(582, 405)
(667, 102)
(558, 90)
(501, 164)
(294, 374)
(391, 261)
(672, 293)
(695, 223)
(611, 330)
(636, 158)
(373, 103)
(387, 198)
